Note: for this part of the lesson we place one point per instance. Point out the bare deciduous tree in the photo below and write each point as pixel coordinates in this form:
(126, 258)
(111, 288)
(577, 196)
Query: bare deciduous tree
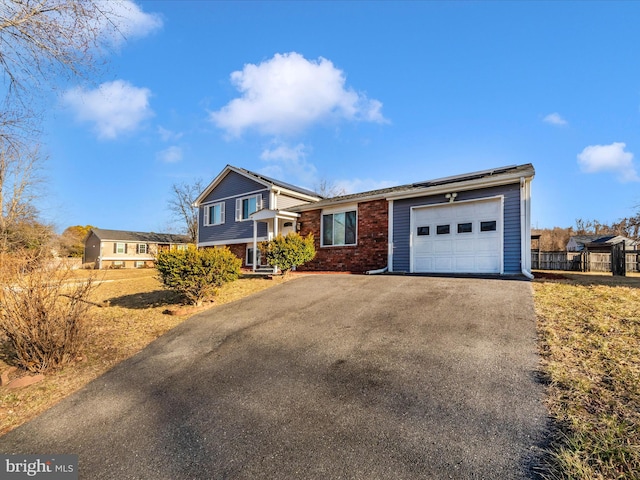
(40, 40)
(19, 182)
(181, 206)
(328, 189)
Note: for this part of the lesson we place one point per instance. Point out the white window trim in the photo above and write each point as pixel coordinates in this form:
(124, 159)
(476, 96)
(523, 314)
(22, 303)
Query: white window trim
(239, 206)
(333, 211)
(207, 219)
(124, 248)
(138, 248)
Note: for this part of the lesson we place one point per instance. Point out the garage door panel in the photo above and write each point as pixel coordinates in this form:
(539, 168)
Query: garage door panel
(424, 264)
(488, 264)
(486, 244)
(443, 246)
(464, 245)
(465, 264)
(443, 264)
(465, 249)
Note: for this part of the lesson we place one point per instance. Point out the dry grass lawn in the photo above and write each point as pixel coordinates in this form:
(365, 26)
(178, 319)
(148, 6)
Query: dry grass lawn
(589, 334)
(132, 319)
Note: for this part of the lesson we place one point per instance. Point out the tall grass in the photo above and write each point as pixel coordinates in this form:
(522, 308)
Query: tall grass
(590, 346)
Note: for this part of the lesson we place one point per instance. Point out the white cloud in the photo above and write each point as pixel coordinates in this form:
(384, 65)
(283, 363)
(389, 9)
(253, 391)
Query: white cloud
(287, 162)
(288, 93)
(172, 154)
(609, 158)
(555, 119)
(168, 135)
(113, 108)
(123, 20)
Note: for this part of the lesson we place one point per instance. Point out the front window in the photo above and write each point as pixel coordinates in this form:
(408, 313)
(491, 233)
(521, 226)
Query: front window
(339, 228)
(247, 205)
(120, 248)
(142, 248)
(214, 214)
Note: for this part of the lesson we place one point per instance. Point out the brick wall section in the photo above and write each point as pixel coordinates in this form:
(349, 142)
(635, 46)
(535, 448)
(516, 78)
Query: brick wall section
(369, 254)
(239, 250)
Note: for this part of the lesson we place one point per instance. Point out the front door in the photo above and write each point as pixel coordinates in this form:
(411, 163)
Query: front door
(249, 260)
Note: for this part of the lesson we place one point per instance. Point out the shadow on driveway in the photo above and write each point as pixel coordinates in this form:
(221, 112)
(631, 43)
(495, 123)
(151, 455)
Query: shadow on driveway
(328, 376)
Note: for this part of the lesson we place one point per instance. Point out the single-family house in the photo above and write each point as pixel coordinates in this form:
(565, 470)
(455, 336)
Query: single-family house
(123, 249)
(578, 243)
(240, 208)
(476, 223)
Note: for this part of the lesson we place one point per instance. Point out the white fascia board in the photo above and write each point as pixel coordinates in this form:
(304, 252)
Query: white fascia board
(475, 184)
(341, 203)
(234, 241)
(338, 208)
(266, 214)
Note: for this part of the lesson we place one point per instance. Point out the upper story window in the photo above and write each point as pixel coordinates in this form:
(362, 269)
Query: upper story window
(246, 206)
(214, 214)
(339, 228)
(142, 248)
(120, 248)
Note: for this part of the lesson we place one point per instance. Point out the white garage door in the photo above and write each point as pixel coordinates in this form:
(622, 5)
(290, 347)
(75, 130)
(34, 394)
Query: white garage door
(464, 237)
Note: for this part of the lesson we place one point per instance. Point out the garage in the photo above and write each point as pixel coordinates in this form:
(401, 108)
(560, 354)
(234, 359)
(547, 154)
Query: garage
(458, 237)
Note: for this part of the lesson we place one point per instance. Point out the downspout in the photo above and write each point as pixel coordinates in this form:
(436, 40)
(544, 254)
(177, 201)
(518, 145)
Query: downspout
(255, 245)
(376, 272)
(390, 236)
(525, 229)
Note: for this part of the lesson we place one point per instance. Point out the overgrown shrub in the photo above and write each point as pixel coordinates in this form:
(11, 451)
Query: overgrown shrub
(287, 252)
(197, 274)
(42, 311)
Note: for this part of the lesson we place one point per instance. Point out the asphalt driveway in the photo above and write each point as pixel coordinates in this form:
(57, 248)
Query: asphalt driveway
(323, 377)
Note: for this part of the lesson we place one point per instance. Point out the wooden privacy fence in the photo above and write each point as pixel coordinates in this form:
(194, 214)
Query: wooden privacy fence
(582, 261)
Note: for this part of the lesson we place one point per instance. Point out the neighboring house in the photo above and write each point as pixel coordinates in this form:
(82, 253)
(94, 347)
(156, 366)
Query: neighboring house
(122, 249)
(577, 243)
(472, 223)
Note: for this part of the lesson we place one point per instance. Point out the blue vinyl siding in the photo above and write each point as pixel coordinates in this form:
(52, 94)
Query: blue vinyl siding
(232, 186)
(511, 226)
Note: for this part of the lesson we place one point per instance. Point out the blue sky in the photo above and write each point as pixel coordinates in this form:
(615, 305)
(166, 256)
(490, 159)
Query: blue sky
(360, 94)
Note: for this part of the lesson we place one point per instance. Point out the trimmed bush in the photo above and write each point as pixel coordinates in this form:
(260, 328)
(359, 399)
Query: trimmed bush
(289, 251)
(197, 274)
(42, 311)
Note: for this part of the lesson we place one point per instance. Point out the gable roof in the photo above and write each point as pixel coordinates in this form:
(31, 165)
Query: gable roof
(268, 182)
(480, 179)
(151, 237)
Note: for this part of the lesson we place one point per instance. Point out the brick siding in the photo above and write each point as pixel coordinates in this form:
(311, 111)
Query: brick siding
(371, 250)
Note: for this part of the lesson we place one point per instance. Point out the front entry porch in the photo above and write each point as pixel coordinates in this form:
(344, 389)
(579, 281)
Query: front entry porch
(278, 222)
